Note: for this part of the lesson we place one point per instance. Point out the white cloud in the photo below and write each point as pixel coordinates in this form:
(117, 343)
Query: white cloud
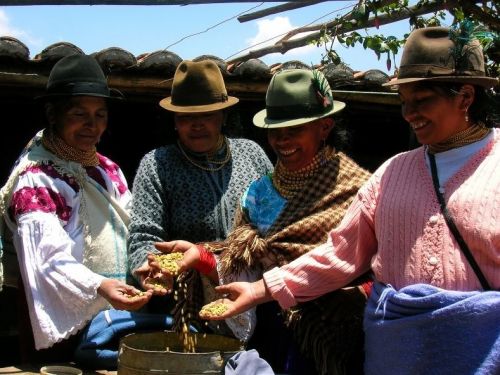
(6, 29)
(271, 30)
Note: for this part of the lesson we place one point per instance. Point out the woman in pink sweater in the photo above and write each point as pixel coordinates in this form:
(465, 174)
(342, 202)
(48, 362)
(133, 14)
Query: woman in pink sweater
(435, 307)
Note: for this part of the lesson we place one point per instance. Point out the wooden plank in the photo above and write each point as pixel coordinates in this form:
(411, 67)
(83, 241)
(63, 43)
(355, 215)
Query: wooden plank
(387, 98)
(133, 2)
(277, 9)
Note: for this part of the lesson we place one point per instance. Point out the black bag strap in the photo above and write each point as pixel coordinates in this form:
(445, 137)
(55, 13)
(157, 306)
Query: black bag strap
(451, 224)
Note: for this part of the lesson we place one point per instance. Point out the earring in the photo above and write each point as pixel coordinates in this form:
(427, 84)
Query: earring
(467, 115)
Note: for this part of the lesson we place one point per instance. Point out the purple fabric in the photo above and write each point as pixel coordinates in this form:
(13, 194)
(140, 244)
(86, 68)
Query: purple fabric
(422, 329)
(247, 362)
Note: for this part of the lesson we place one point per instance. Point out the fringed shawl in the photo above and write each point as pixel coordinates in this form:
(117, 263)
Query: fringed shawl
(303, 224)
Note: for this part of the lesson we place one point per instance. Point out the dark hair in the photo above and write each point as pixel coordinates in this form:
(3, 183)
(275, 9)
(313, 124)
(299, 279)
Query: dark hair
(484, 108)
(339, 137)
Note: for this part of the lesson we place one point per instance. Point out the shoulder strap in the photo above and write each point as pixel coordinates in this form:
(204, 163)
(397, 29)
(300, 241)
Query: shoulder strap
(451, 224)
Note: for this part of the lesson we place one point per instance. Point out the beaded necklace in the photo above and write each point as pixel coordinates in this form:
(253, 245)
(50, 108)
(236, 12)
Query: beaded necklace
(210, 157)
(288, 183)
(470, 135)
(61, 149)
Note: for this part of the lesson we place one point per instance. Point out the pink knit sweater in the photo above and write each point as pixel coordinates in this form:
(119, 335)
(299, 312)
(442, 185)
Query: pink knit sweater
(395, 226)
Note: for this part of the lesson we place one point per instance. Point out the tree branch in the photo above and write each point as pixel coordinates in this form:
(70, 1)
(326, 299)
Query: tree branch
(330, 25)
(285, 45)
(479, 14)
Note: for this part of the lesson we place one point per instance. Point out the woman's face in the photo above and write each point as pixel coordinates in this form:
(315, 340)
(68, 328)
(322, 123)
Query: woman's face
(296, 146)
(433, 115)
(81, 122)
(199, 132)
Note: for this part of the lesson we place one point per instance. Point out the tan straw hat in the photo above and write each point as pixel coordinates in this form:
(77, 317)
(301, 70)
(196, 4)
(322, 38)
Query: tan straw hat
(296, 97)
(438, 54)
(198, 87)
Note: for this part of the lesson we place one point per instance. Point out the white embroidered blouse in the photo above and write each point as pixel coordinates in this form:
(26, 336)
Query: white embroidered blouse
(45, 217)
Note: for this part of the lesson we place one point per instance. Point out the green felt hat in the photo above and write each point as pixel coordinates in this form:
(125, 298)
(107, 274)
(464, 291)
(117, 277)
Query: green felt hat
(295, 97)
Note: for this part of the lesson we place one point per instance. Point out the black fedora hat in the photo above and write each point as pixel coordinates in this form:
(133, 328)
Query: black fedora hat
(78, 75)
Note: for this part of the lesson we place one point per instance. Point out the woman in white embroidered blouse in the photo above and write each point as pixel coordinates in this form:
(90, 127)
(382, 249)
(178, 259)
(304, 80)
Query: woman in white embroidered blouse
(67, 208)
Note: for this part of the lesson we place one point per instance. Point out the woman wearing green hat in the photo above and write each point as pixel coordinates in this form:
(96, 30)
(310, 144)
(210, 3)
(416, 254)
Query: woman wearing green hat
(284, 215)
(59, 203)
(426, 223)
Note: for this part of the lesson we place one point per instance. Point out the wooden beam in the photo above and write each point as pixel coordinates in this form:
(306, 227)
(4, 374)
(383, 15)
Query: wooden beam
(277, 9)
(386, 98)
(132, 2)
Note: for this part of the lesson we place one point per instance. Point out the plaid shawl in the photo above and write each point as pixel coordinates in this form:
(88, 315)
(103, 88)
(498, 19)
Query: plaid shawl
(303, 224)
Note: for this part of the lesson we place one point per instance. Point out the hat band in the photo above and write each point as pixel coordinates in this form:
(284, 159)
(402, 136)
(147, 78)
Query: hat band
(284, 112)
(192, 100)
(79, 88)
(428, 71)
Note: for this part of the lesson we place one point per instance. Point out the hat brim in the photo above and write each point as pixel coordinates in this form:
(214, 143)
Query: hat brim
(113, 94)
(167, 104)
(262, 121)
(486, 82)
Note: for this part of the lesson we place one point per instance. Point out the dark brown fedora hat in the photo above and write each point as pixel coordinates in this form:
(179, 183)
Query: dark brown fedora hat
(198, 87)
(432, 54)
(77, 75)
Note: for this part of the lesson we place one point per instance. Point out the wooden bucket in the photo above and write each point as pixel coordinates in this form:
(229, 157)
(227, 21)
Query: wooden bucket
(146, 354)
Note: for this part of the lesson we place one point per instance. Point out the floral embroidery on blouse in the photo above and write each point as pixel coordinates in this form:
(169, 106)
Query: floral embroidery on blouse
(49, 170)
(31, 199)
(112, 170)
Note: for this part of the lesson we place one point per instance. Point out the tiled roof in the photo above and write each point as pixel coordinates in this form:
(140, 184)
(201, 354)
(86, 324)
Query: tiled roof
(150, 73)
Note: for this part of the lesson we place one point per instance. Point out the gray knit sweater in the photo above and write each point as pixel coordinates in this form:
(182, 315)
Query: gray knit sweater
(173, 199)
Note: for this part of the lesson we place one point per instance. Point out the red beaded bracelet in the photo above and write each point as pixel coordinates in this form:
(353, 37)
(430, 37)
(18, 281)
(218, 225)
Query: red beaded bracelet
(206, 263)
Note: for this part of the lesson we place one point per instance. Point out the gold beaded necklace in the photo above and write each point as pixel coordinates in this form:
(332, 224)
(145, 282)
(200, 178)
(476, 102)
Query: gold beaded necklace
(210, 156)
(470, 135)
(288, 183)
(61, 149)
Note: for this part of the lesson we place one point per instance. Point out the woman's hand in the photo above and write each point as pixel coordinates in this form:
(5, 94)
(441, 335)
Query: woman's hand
(160, 281)
(150, 277)
(123, 296)
(143, 273)
(194, 257)
(239, 297)
(191, 256)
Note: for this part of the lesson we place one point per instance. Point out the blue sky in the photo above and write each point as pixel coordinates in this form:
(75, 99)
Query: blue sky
(188, 31)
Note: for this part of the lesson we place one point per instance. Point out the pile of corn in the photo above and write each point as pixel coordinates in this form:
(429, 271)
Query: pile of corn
(139, 294)
(213, 309)
(169, 262)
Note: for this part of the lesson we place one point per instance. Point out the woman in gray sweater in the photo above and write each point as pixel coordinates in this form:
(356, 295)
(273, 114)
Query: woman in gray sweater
(191, 189)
